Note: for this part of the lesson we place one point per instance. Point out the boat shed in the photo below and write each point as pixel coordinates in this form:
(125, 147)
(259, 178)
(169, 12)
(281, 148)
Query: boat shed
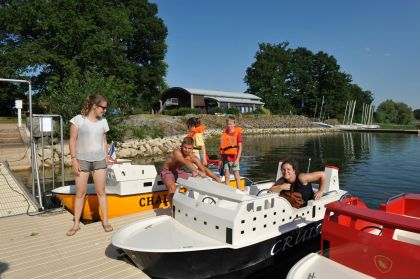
(206, 99)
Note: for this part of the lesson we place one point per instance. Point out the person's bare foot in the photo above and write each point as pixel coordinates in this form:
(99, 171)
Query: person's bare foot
(72, 231)
(107, 228)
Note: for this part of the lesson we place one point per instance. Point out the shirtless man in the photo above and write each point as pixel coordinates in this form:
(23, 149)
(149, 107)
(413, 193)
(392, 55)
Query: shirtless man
(180, 157)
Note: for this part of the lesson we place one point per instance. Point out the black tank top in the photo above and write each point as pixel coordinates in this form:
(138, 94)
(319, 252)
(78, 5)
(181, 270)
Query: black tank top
(305, 190)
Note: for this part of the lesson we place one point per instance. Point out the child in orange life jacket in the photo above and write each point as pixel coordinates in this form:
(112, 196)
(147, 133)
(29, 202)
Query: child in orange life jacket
(231, 150)
(196, 130)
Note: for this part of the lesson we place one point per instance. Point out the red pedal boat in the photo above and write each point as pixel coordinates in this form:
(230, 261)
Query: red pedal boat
(358, 242)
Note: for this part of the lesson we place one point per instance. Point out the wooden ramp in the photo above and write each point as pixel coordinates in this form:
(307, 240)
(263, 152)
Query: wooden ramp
(14, 199)
(37, 247)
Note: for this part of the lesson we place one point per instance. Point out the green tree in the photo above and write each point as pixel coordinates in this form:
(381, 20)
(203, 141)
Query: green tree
(416, 113)
(55, 43)
(297, 80)
(392, 112)
(268, 76)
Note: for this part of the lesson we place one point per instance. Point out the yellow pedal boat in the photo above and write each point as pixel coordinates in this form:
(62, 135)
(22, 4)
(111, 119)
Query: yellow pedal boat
(129, 189)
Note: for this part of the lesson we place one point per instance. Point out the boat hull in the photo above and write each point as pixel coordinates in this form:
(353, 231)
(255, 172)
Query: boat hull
(225, 261)
(117, 205)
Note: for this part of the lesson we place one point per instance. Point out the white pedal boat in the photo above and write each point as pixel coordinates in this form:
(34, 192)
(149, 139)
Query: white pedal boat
(218, 230)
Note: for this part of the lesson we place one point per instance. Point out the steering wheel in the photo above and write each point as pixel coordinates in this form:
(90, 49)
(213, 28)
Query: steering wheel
(212, 201)
(262, 191)
(373, 227)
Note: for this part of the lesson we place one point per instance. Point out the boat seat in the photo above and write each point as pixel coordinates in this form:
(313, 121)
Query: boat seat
(406, 236)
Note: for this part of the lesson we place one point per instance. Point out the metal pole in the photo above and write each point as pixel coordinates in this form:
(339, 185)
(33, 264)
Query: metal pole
(346, 120)
(345, 112)
(352, 114)
(52, 152)
(370, 114)
(320, 111)
(41, 129)
(62, 151)
(363, 114)
(35, 165)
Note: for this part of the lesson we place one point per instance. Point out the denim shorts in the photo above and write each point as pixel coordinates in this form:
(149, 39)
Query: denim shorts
(86, 166)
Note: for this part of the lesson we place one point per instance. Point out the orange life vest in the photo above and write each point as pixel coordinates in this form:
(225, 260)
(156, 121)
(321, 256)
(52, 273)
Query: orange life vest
(198, 129)
(228, 143)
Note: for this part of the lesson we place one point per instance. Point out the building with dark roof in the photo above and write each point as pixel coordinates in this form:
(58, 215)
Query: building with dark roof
(206, 99)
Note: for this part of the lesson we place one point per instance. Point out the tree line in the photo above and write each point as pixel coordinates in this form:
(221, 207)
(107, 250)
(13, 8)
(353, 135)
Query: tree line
(70, 49)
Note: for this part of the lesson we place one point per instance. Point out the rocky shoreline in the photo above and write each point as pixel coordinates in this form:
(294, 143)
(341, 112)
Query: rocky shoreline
(161, 146)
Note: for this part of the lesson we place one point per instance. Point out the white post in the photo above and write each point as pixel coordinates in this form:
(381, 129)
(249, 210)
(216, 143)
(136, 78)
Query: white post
(18, 105)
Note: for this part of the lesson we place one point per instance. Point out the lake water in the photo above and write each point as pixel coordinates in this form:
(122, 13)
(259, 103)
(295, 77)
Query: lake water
(372, 166)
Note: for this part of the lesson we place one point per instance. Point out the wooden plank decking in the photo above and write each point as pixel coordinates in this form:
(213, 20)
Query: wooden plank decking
(37, 247)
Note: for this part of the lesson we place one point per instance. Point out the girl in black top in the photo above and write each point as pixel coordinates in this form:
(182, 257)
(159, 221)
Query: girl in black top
(291, 181)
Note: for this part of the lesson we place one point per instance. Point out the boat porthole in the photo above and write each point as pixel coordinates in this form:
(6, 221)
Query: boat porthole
(242, 221)
(290, 217)
(179, 210)
(284, 210)
(217, 227)
(297, 215)
(255, 218)
(195, 219)
(265, 225)
(307, 212)
(242, 232)
(205, 223)
(265, 215)
(303, 214)
(282, 220)
(274, 222)
(275, 213)
(186, 214)
(253, 229)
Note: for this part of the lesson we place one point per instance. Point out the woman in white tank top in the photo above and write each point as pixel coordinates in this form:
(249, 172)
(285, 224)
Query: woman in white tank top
(88, 150)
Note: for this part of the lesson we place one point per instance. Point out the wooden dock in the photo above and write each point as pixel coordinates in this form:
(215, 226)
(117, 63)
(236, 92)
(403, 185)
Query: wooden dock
(37, 247)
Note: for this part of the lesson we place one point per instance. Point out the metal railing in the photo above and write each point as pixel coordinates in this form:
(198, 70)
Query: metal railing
(34, 157)
(46, 127)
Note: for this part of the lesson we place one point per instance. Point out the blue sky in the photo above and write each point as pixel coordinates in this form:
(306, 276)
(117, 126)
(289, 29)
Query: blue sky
(212, 42)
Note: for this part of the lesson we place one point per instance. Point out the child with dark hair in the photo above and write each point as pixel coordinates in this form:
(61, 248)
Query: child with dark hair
(196, 130)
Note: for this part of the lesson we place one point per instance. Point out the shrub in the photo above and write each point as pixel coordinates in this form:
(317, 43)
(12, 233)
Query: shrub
(215, 110)
(234, 111)
(181, 111)
(141, 132)
(260, 111)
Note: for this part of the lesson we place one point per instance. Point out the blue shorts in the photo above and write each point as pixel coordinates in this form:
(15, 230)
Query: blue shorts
(229, 166)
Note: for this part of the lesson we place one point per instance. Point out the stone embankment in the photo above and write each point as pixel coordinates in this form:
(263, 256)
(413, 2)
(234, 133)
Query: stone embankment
(161, 146)
(174, 129)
